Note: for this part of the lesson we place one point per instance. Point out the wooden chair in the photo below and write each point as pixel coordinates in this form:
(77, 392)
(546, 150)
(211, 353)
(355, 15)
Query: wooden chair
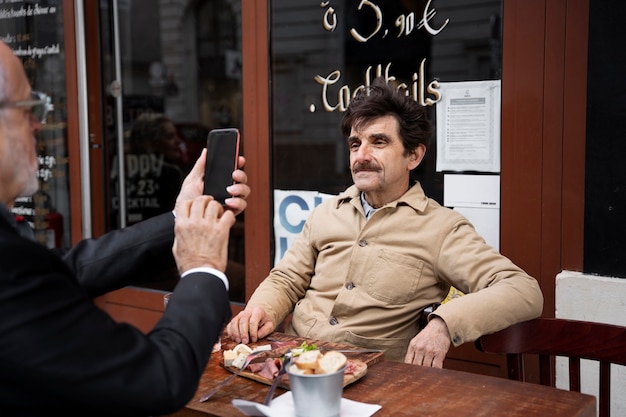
(573, 339)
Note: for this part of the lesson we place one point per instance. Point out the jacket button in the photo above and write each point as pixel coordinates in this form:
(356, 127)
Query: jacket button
(333, 321)
(362, 243)
(349, 286)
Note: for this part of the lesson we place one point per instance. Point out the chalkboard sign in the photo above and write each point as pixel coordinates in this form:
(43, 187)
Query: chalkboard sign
(34, 30)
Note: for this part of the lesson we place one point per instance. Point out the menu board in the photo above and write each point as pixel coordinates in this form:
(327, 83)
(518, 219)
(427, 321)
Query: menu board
(34, 30)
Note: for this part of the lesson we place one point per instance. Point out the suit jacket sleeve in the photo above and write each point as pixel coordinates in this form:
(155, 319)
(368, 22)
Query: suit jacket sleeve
(59, 353)
(122, 256)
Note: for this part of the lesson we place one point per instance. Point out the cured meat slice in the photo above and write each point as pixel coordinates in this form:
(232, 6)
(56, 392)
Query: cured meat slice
(270, 369)
(255, 368)
(284, 346)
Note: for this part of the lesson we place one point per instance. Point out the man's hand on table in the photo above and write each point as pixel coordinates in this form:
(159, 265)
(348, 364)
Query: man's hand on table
(250, 325)
(430, 346)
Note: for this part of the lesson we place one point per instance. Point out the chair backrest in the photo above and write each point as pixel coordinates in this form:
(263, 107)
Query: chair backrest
(573, 339)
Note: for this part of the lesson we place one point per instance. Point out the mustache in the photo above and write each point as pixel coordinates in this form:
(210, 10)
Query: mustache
(366, 166)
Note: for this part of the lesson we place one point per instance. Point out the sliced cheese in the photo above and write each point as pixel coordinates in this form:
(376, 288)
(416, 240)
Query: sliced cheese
(240, 360)
(242, 348)
(262, 348)
(229, 357)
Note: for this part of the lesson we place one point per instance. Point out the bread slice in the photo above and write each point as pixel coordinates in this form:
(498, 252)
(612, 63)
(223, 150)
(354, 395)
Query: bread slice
(332, 362)
(308, 360)
(293, 369)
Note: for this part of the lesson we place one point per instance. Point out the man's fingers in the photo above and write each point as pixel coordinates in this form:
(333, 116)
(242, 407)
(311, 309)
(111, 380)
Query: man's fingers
(253, 330)
(243, 330)
(418, 359)
(183, 208)
(254, 324)
(437, 362)
(197, 207)
(427, 360)
(227, 216)
(240, 162)
(250, 326)
(410, 354)
(265, 329)
(239, 327)
(233, 329)
(198, 167)
(254, 320)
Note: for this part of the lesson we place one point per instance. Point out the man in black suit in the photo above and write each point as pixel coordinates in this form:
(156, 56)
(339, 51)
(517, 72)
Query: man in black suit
(59, 353)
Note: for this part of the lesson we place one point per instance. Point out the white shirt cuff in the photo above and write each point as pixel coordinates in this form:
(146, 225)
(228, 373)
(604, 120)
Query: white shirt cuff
(208, 270)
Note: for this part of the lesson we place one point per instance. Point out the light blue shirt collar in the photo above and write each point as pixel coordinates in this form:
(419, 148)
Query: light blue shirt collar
(369, 210)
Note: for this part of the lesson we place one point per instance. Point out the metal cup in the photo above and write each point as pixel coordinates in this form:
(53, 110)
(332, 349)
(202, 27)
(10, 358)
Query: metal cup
(317, 395)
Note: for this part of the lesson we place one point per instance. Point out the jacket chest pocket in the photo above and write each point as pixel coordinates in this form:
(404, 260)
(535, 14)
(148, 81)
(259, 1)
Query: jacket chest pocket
(394, 278)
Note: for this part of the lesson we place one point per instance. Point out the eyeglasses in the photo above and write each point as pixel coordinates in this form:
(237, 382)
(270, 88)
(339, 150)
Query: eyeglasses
(40, 105)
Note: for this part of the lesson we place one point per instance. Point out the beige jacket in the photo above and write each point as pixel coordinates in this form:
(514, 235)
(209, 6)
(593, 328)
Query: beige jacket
(366, 282)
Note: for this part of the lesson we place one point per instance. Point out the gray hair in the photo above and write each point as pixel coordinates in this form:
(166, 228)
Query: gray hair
(5, 75)
(3, 82)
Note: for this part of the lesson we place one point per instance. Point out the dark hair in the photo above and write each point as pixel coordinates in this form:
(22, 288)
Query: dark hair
(382, 99)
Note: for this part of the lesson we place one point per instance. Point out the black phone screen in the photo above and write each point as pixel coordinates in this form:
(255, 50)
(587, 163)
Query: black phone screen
(221, 161)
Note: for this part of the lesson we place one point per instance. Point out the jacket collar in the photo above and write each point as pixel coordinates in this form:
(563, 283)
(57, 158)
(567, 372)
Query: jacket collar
(414, 198)
(22, 228)
(7, 216)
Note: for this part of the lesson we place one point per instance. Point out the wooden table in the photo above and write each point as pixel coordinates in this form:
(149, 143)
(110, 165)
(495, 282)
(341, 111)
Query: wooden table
(410, 390)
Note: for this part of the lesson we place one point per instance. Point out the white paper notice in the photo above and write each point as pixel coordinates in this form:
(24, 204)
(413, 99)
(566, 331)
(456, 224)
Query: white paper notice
(477, 197)
(480, 191)
(468, 126)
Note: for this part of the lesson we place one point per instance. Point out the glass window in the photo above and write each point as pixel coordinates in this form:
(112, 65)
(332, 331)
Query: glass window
(34, 30)
(179, 80)
(321, 52)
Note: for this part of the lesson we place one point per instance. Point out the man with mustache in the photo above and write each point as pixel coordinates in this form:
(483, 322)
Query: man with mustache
(369, 261)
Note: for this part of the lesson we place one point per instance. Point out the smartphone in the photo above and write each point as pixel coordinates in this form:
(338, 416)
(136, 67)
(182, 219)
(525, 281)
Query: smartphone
(221, 160)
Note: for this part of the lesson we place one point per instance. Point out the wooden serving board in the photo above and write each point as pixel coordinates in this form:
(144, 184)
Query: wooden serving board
(360, 360)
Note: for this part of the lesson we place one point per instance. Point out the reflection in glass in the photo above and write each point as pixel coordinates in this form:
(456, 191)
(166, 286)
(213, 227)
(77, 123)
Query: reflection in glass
(181, 77)
(39, 42)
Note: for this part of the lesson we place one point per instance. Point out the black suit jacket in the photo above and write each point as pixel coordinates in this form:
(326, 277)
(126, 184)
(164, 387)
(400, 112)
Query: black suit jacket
(60, 354)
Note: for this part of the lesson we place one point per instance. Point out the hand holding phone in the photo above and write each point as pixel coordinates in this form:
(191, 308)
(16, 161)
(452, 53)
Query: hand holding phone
(221, 160)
